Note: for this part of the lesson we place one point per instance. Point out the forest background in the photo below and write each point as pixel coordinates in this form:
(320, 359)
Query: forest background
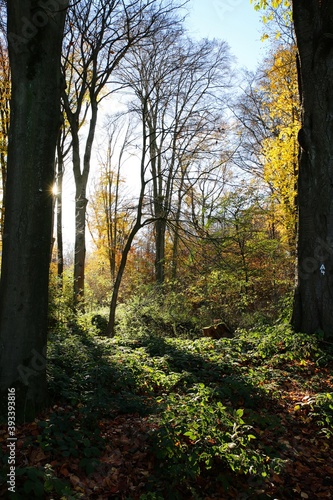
(185, 172)
(212, 222)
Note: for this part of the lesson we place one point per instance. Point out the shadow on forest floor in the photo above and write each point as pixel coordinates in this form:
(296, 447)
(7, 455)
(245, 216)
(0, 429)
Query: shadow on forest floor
(155, 418)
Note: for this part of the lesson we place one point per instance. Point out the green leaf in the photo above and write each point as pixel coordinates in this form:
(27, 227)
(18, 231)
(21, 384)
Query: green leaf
(191, 435)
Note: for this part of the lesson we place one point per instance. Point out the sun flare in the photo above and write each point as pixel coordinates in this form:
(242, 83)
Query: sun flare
(54, 189)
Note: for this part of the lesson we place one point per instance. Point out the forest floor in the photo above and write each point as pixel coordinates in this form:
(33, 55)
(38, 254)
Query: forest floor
(165, 418)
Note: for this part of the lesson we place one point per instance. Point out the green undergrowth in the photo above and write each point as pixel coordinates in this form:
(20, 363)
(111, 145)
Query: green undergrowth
(208, 402)
(209, 399)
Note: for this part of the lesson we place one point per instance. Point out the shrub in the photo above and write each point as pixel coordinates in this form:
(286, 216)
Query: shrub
(157, 311)
(100, 322)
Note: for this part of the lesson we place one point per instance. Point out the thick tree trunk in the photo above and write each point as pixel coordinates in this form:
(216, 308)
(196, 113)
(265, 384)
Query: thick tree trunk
(313, 305)
(35, 37)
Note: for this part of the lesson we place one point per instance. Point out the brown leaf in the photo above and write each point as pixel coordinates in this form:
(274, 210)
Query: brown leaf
(37, 456)
(64, 472)
(74, 480)
(277, 479)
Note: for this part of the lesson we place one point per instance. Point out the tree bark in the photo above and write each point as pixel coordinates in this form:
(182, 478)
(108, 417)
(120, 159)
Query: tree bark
(160, 229)
(80, 247)
(60, 250)
(35, 37)
(313, 304)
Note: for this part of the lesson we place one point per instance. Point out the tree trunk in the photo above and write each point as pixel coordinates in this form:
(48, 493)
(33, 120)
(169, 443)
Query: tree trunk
(81, 180)
(175, 250)
(35, 38)
(60, 251)
(80, 248)
(313, 304)
(160, 228)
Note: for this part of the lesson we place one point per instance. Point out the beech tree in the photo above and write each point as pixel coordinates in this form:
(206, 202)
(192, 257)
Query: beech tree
(313, 304)
(100, 33)
(178, 86)
(35, 32)
(175, 83)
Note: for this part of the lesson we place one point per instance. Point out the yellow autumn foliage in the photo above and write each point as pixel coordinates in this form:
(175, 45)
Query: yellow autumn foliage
(5, 91)
(280, 149)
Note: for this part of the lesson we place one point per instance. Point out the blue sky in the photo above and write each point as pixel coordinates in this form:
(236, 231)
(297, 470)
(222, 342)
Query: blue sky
(234, 21)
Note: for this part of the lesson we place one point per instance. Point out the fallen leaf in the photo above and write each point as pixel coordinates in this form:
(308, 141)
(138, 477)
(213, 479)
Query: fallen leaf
(74, 480)
(64, 472)
(37, 456)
